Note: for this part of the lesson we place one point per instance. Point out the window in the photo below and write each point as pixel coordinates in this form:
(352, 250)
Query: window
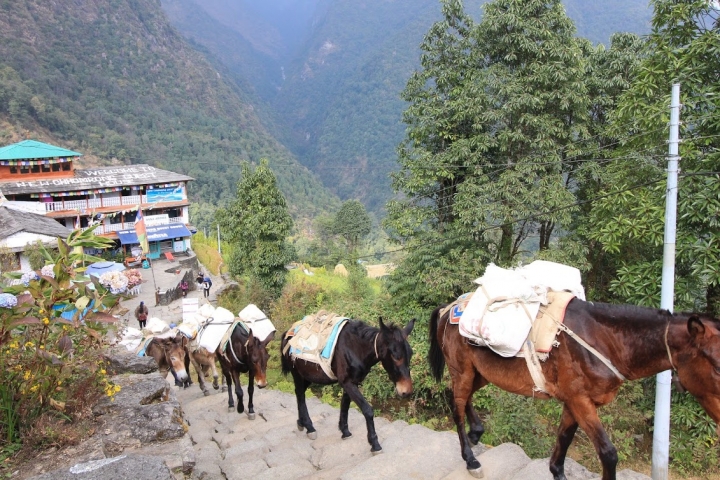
(13, 169)
(66, 166)
(36, 169)
(55, 167)
(45, 168)
(24, 170)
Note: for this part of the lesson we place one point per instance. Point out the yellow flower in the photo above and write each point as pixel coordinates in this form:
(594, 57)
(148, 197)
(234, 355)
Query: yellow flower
(59, 382)
(42, 347)
(34, 388)
(116, 388)
(64, 328)
(42, 311)
(26, 375)
(46, 320)
(29, 344)
(102, 371)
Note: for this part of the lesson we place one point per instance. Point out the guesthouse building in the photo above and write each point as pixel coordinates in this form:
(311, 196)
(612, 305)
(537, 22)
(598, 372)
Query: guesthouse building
(48, 178)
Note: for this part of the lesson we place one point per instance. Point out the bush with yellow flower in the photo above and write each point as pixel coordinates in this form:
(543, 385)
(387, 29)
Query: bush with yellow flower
(52, 329)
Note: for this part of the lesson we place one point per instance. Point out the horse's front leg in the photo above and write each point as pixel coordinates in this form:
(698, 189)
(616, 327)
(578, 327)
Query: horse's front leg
(566, 432)
(228, 380)
(344, 408)
(251, 389)
(354, 394)
(238, 390)
(585, 413)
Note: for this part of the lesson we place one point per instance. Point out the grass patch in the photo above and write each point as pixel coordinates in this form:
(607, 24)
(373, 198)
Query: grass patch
(206, 251)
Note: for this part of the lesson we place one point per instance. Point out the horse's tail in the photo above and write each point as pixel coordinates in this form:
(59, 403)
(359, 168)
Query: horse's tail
(285, 359)
(435, 355)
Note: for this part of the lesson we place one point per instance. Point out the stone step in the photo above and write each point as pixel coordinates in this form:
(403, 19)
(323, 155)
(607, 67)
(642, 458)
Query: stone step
(230, 446)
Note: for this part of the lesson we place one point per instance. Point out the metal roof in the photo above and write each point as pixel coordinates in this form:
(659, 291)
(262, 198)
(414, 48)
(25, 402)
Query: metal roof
(87, 180)
(155, 233)
(29, 149)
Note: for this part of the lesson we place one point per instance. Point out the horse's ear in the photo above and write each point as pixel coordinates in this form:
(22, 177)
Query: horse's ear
(268, 339)
(382, 325)
(695, 327)
(409, 328)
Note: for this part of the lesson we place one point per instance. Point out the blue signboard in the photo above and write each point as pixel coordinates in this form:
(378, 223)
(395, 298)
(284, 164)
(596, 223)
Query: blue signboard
(165, 194)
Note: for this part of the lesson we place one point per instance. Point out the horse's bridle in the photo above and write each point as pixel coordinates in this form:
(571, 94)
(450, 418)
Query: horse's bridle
(667, 347)
(376, 337)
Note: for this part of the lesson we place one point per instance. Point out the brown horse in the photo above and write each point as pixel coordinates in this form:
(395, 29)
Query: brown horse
(359, 347)
(169, 353)
(244, 353)
(204, 362)
(638, 342)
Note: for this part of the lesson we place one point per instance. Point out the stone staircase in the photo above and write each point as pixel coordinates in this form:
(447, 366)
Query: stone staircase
(230, 446)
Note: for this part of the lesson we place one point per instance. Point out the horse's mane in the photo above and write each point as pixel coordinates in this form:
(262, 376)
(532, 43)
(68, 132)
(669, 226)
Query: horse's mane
(629, 315)
(363, 330)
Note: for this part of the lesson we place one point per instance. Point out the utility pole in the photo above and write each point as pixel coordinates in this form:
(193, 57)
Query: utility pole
(661, 432)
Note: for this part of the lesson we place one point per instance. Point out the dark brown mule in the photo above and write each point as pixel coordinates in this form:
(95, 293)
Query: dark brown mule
(638, 342)
(169, 353)
(359, 347)
(244, 353)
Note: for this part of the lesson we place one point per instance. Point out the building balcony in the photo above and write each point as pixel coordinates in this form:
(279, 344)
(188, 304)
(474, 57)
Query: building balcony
(110, 228)
(95, 203)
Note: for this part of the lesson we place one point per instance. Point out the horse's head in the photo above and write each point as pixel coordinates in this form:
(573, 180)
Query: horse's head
(698, 363)
(258, 357)
(174, 352)
(394, 352)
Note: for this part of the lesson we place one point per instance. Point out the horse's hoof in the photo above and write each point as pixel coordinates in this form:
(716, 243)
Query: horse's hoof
(376, 452)
(345, 437)
(312, 435)
(300, 427)
(206, 393)
(251, 416)
(477, 472)
(216, 387)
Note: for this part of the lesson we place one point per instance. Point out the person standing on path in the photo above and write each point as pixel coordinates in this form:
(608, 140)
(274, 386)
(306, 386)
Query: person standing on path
(199, 279)
(141, 314)
(207, 283)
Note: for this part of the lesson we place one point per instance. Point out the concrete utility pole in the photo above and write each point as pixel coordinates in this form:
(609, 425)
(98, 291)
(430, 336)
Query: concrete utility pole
(661, 432)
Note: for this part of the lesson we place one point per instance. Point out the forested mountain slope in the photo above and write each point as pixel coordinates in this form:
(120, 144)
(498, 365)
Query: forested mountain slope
(113, 78)
(336, 94)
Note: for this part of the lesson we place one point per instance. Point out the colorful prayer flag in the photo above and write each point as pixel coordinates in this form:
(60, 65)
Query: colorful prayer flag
(141, 232)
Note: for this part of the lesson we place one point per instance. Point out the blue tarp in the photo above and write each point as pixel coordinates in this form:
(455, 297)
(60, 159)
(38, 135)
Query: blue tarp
(155, 233)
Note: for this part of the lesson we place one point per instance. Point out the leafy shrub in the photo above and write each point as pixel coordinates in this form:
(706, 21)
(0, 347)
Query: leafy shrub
(50, 366)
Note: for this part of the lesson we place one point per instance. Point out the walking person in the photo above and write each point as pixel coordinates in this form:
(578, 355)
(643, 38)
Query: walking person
(207, 283)
(141, 314)
(199, 279)
(184, 287)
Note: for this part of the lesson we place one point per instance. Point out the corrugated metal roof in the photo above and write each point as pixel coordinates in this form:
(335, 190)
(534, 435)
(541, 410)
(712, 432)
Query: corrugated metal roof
(29, 149)
(93, 179)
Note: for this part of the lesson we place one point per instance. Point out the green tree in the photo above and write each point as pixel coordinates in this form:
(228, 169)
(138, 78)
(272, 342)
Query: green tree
(353, 223)
(682, 48)
(258, 223)
(493, 122)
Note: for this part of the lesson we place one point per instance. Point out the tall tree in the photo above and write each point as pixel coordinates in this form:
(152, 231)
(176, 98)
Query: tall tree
(493, 121)
(352, 222)
(683, 47)
(257, 222)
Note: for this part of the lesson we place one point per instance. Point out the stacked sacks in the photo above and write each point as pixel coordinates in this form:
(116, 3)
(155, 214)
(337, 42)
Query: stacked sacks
(256, 320)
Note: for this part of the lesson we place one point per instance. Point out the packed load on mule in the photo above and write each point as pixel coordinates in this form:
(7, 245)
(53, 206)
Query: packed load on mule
(579, 353)
(166, 345)
(326, 348)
